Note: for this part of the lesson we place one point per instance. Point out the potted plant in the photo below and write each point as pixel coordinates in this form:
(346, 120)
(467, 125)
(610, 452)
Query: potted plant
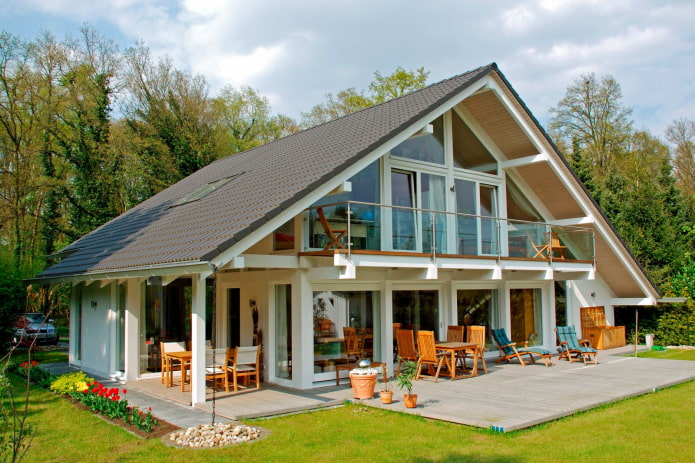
(386, 393)
(363, 380)
(405, 381)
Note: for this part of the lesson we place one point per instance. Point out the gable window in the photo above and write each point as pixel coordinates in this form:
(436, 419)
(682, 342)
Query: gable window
(469, 152)
(283, 238)
(427, 147)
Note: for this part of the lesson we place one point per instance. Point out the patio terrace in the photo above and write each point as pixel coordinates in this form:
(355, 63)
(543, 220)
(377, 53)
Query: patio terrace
(509, 398)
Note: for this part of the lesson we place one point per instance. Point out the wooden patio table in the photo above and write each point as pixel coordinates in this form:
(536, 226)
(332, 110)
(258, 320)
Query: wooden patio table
(184, 357)
(452, 348)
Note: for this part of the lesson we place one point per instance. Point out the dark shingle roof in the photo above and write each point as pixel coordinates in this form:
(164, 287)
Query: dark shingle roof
(268, 179)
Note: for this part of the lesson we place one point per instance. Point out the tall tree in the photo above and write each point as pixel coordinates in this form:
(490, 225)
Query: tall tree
(169, 110)
(19, 143)
(682, 134)
(82, 134)
(592, 118)
(245, 119)
(382, 88)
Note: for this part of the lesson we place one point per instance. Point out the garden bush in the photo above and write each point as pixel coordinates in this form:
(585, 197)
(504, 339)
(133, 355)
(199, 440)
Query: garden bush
(71, 382)
(676, 327)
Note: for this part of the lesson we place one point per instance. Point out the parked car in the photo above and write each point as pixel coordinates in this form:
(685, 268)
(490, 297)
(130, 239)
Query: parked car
(36, 326)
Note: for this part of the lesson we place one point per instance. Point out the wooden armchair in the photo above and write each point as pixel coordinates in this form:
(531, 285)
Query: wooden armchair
(216, 361)
(427, 354)
(476, 335)
(353, 345)
(167, 364)
(245, 363)
(406, 348)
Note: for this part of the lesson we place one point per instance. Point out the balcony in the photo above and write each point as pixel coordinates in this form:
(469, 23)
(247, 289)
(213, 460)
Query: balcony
(365, 228)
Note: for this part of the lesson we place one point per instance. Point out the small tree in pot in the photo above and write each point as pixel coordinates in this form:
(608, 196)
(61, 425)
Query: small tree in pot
(405, 381)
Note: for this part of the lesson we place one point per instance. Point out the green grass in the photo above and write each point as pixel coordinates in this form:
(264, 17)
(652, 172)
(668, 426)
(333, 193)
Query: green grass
(655, 427)
(670, 354)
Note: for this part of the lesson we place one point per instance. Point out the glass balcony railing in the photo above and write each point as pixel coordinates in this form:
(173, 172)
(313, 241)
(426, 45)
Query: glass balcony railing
(351, 226)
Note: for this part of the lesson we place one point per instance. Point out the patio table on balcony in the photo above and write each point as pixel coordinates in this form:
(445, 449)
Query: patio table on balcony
(454, 348)
(184, 358)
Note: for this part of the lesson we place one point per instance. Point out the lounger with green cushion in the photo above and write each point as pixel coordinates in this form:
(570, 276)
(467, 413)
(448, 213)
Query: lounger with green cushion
(572, 347)
(508, 349)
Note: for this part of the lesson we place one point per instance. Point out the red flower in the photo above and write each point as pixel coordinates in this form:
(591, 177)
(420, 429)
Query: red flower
(86, 391)
(117, 397)
(149, 409)
(124, 391)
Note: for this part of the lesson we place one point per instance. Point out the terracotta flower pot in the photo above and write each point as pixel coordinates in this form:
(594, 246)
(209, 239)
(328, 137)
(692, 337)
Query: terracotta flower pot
(363, 385)
(386, 397)
(410, 400)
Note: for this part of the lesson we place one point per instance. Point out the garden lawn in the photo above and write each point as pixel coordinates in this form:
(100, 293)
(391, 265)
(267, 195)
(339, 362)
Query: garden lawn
(655, 427)
(670, 354)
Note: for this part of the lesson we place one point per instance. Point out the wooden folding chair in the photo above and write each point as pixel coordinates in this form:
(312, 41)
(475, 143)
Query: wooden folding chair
(245, 363)
(427, 353)
(555, 246)
(476, 335)
(406, 348)
(332, 234)
(216, 362)
(353, 346)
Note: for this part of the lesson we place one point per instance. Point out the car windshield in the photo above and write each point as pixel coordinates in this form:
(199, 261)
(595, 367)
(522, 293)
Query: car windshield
(35, 317)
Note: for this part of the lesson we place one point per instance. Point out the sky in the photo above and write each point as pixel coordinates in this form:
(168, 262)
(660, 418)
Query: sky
(295, 52)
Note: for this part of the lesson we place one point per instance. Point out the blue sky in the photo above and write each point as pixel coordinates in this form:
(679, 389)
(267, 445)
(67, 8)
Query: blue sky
(295, 52)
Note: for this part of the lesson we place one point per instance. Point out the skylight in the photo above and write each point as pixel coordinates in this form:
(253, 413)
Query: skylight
(205, 190)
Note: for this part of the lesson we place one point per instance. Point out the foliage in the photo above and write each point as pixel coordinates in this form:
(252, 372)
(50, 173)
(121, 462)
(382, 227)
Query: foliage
(69, 383)
(682, 134)
(676, 327)
(405, 378)
(350, 100)
(31, 370)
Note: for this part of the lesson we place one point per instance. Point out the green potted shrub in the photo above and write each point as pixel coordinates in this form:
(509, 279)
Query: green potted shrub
(405, 381)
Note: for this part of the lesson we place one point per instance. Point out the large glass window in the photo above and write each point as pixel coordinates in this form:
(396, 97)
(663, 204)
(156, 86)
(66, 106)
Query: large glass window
(403, 218)
(333, 311)
(561, 303)
(167, 317)
(417, 310)
(488, 227)
(433, 193)
(364, 219)
(283, 331)
(526, 315)
(477, 307)
(428, 147)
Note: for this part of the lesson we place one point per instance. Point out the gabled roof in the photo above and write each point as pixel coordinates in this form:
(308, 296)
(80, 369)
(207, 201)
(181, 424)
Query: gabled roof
(264, 181)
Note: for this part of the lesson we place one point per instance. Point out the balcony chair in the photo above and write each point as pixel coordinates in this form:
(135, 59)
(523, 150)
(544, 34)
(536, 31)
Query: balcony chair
(508, 349)
(353, 345)
(573, 348)
(333, 235)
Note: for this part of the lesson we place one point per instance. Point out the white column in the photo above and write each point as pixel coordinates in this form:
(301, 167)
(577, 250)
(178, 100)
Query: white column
(387, 340)
(303, 325)
(198, 340)
(133, 340)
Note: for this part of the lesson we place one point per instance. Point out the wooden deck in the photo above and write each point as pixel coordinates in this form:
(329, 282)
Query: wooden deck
(510, 397)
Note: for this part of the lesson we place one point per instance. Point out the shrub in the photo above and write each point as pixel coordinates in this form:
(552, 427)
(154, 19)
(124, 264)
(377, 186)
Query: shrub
(676, 327)
(71, 382)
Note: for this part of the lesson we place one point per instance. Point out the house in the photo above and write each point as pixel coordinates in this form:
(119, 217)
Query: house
(449, 205)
